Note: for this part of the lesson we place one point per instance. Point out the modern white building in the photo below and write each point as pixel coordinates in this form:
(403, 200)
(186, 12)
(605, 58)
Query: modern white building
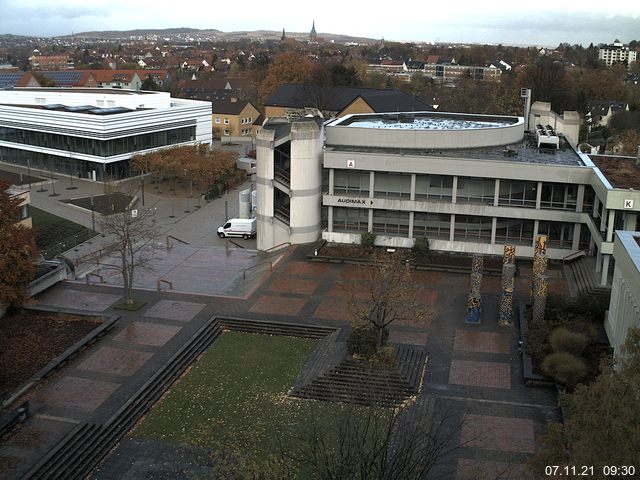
(92, 133)
(468, 183)
(616, 53)
(624, 309)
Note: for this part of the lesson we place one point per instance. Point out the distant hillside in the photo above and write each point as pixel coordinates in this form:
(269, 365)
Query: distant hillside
(212, 34)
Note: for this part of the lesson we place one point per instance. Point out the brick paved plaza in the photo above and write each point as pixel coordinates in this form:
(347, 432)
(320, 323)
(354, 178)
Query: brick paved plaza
(475, 369)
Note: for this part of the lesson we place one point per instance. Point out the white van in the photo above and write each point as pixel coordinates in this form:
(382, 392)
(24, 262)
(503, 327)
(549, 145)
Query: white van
(238, 227)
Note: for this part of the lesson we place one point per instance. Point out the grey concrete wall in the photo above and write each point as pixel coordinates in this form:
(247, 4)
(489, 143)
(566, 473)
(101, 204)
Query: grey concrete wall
(426, 139)
(624, 308)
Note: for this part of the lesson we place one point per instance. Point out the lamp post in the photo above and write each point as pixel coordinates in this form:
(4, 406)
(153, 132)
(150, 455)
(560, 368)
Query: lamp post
(142, 186)
(93, 215)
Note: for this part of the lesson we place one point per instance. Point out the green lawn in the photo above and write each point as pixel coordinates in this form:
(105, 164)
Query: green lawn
(56, 234)
(235, 398)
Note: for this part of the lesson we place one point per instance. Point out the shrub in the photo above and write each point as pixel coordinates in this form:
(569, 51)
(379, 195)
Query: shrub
(362, 340)
(564, 368)
(421, 248)
(564, 340)
(384, 358)
(368, 240)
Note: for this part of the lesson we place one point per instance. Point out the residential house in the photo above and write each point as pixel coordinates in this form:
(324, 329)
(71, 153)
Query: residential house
(234, 119)
(10, 79)
(617, 53)
(601, 112)
(121, 79)
(296, 99)
(51, 62)
(75, 78)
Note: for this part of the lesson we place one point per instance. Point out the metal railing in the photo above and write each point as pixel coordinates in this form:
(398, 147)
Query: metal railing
(161, 281)
(574, 255)
(244, 272)
(171, 237)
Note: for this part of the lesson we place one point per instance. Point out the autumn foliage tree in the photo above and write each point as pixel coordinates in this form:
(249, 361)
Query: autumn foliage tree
(17, 251)
(602, 425)
(199, 164)
(288, 67)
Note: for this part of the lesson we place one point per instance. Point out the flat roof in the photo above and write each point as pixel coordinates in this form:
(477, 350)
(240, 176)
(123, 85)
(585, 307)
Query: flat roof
(621, 172)
(425, 121)
(525, 151)
(107, 91)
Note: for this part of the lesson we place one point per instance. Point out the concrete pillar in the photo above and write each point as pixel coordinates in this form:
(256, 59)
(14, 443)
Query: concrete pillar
(604, 277)
(372, 185)
(477, 263)
(496, 194)
(454, 190)
(630, 221)
(474, 301)
(596, 205)
(494, 227)
(577, 230)
(411, 214)
(452, 227)
(540, 298)
(330, 219)
(370, 221)
(331, 180)
(611, 225)
(598, 261)
(536, 227)
(539, 196)
(506, 298)
(580, 199)
(412, 195)
(508, 282)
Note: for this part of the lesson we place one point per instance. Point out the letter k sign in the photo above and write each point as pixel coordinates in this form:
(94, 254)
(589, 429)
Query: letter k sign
(628, 204)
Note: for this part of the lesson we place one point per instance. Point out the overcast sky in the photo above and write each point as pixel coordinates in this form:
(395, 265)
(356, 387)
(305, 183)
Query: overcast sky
(547, 22)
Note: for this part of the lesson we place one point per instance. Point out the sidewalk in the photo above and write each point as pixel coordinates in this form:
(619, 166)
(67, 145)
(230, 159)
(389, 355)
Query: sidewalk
(177, 217)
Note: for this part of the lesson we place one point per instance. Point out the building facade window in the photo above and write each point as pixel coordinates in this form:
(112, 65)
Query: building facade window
(353, 220)
(515, 193)
(434, 187)
(514, 230)
(95, 147)
(351, 182)
(392, 185)
(432, 225)
(559, 196)
(559, 234)
(473, 228)
(391, 222)
(475, 190)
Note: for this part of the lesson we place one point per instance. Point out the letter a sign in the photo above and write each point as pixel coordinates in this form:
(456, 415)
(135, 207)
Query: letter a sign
(351, 164)
(628, 204)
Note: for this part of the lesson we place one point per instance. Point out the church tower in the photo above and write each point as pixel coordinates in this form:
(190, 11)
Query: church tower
(313, 35)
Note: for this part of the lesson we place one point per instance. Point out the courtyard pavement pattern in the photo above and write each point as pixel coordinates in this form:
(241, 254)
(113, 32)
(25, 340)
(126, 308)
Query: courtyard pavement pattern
(474, 370)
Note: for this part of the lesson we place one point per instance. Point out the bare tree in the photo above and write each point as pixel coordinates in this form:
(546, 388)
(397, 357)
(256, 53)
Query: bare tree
(135, 233)
(379, 444)
(385, 294)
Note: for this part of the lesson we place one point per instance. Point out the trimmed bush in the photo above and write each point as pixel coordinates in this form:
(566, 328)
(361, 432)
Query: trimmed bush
(368, 240)
(564, 368)
(564, 340)
(421, 249)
